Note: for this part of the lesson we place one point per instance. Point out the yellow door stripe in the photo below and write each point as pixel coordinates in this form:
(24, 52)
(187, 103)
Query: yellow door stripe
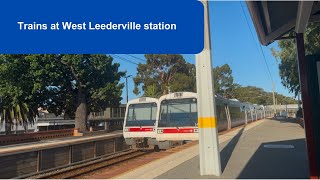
(207, 122)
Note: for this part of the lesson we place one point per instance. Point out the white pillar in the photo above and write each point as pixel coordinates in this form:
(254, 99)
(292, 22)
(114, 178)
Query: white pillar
(207, 122)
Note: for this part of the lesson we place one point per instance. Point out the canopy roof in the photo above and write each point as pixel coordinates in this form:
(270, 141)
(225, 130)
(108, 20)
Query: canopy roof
(273, 19)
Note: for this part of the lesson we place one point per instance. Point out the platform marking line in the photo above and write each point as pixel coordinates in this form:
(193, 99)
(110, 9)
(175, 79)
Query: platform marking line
(279, 146)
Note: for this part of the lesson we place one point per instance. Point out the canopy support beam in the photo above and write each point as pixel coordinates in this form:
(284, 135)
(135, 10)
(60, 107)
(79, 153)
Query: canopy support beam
(303, 15)
(307, 105)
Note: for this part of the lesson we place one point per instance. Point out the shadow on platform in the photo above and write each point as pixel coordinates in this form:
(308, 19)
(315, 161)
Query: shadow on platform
(278, 160)
(226, 152)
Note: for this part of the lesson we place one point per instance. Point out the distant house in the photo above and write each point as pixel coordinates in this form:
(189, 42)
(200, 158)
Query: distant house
(49, 121)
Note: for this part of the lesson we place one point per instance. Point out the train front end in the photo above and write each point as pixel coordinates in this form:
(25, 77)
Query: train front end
(139, 123)
(178, 119)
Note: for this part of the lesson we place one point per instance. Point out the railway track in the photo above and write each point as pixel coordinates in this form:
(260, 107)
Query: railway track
(77, 170)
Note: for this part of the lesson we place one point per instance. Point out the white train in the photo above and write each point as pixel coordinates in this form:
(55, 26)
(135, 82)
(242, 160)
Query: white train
(139, 122)
(177, 119)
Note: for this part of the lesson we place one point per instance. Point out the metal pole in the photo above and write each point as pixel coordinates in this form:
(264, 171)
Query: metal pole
(127, 89)
(39, 161)
(274, 99)
(207, 122)
(70, 154)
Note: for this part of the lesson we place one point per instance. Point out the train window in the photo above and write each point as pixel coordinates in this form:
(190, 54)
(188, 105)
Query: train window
(178, 113)
(141, 114)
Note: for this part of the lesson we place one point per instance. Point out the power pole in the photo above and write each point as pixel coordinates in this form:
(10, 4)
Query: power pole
(207, 122)
(127, 86)
(274, 99)
(277, 105)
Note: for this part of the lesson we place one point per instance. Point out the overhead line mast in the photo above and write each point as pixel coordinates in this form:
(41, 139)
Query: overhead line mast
(207, 122)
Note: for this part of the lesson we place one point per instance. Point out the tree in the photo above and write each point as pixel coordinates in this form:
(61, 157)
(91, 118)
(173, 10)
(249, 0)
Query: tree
(69, 84)
(223, 80)
(16, 87)
(15, 114)
(95, 84)
(151, 91)
(164, 72)
(184, 82)
(257, 95)
(287, 54)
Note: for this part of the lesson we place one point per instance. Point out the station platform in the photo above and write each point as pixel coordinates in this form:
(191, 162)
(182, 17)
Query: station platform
(269, 148)
(53, 143)
(25, 160)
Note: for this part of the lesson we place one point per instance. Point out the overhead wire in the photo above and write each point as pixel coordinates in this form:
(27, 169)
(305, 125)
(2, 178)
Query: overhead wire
(140, 59)
(124, 59)
(261, 50)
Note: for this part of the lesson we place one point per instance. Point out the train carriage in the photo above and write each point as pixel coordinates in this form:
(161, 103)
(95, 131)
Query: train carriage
(268, 112)
(249, 112)
(258, 112)
(173, 119)
(237, 113)
(139, 123)
(222, 113)
(178, 119)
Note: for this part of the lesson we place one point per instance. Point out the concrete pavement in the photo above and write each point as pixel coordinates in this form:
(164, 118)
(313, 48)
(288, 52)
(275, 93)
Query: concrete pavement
(274, 149)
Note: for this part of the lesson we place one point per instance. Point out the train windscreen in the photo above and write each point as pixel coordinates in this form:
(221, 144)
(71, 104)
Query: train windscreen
(142, 114)
(178, 113)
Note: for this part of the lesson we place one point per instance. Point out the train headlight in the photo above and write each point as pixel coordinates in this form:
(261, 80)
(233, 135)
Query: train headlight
(126, 129)
(160, 131)
(196, 130)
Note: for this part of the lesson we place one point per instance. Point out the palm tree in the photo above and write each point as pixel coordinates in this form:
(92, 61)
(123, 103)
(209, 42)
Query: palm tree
(18, 113)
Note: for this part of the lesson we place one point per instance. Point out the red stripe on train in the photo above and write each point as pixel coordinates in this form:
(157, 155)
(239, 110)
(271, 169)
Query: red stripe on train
(140, 129)
(181, 130)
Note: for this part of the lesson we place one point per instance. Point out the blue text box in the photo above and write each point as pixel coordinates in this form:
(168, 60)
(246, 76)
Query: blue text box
(101, 26)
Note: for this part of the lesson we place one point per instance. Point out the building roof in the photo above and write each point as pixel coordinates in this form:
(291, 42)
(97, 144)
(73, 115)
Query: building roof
(273, 19)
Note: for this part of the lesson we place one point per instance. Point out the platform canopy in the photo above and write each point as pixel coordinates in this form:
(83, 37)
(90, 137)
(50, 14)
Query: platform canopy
(273, 19)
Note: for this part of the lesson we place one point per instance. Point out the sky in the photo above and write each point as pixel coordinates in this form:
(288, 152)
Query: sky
(231, 43)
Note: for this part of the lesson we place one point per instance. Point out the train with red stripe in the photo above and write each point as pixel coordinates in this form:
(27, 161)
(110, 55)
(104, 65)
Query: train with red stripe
(176, 121)
(139, 128)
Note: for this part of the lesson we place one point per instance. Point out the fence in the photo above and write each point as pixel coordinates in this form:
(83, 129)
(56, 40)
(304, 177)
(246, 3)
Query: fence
(22, 164)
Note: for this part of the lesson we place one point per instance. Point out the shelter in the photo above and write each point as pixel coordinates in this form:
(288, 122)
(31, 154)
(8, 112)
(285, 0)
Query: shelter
(273, 20)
